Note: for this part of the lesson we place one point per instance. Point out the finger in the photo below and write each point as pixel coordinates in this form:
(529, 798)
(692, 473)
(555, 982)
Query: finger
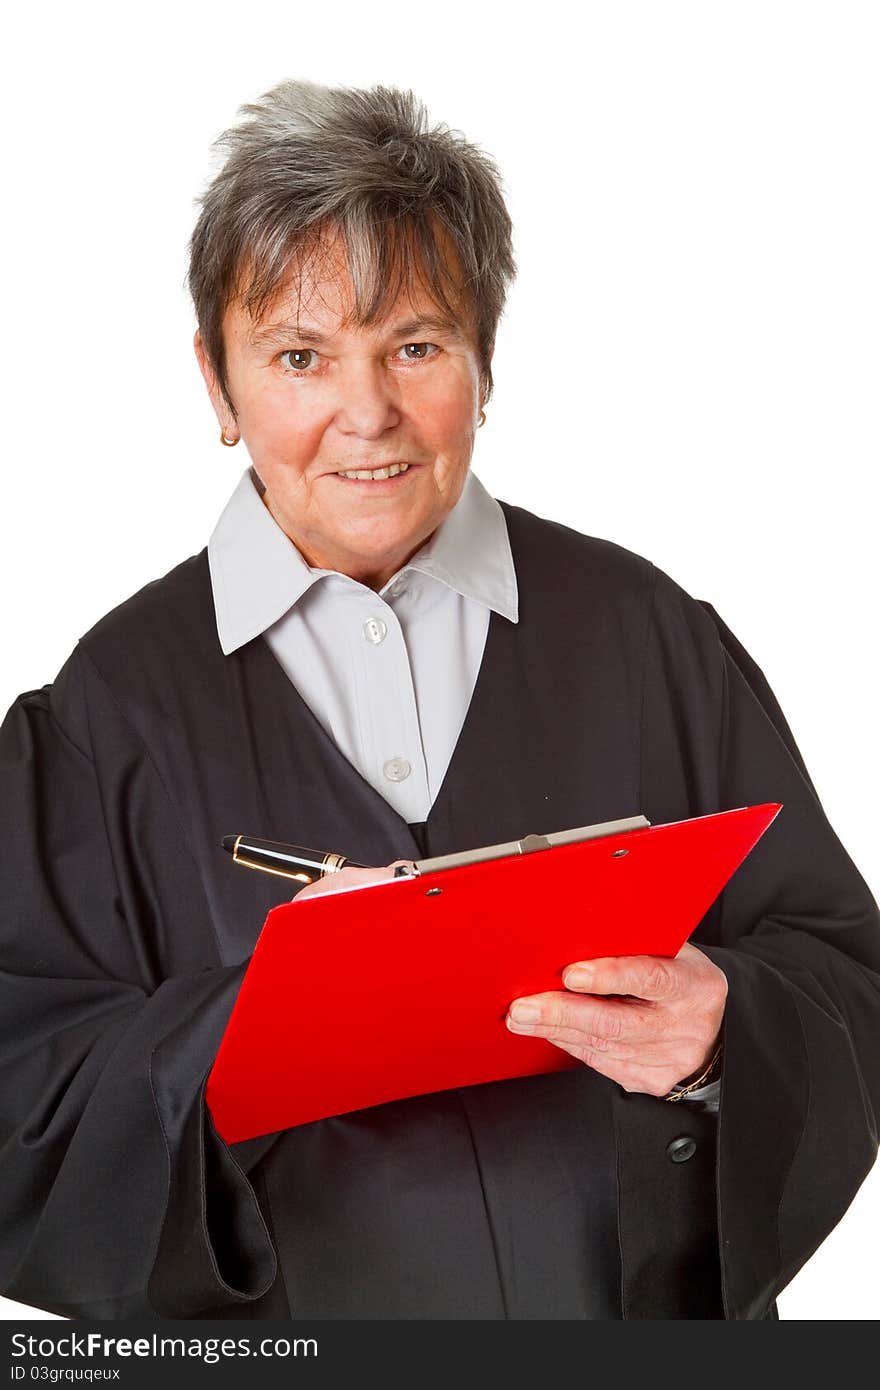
(649, 1045)
(545, 1015)
(656, 978)
(575, 1040)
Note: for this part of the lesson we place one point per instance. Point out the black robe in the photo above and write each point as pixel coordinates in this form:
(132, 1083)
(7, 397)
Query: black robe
(126, 931)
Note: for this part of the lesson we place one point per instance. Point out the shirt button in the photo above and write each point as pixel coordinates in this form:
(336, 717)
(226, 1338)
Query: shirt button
(375, 630)
(397, 769)
(681, 1149)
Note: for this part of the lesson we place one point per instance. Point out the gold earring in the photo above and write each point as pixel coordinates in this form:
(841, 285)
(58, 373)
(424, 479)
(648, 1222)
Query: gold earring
(230, 443)
(482, 420)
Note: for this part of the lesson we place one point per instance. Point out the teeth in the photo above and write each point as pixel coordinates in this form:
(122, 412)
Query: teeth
(366, 474)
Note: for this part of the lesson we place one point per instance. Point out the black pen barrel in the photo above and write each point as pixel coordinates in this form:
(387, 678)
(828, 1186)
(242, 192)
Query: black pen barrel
(289, 861)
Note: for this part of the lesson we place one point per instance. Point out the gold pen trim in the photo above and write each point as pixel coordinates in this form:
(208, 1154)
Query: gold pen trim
(264, 868)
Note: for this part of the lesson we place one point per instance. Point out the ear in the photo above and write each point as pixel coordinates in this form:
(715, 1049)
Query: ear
(225, 417)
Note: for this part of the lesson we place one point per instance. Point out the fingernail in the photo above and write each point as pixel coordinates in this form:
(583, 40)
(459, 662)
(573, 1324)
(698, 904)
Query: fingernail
(578, 979)
(525, 1013)
(514, 1027)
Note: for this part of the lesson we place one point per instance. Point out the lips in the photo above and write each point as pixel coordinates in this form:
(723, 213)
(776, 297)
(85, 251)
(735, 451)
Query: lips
(377, 475)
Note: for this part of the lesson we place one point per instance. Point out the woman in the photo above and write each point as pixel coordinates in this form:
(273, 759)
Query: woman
(374, 655)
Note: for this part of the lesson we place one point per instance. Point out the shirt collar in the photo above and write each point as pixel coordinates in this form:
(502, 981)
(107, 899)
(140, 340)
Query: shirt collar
(258, 574)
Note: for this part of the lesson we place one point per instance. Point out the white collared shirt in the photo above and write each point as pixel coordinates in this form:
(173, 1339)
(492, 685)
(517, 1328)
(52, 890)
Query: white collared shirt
(389, 675)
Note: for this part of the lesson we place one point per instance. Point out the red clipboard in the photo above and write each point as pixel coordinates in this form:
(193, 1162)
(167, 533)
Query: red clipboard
(397, 989)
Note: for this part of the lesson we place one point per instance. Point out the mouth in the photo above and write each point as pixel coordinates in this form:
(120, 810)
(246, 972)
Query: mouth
(388, 476)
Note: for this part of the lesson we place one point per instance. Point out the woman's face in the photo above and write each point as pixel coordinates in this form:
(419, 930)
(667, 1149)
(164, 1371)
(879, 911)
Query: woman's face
(317, 397)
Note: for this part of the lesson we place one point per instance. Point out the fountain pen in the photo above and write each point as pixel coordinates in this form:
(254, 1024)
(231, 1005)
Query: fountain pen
(289, 861)
(306, 865)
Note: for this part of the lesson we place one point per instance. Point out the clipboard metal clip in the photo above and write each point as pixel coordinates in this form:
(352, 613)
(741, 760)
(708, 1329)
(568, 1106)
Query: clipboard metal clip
(530, 843)
(527, 845)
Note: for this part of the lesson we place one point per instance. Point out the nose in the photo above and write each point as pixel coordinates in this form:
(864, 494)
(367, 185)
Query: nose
(367, 404)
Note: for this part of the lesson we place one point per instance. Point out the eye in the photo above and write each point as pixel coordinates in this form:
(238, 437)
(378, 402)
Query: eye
(417, 352)
(299, 359)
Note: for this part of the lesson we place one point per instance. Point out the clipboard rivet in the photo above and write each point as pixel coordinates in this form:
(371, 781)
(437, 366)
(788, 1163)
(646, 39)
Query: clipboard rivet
(432, 892)
(619, 853)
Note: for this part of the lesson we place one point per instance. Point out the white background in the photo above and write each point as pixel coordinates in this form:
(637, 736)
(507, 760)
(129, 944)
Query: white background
(688, 365)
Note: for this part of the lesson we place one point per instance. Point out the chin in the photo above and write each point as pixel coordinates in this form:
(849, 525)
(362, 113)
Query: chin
(383, 556)
(386, 553)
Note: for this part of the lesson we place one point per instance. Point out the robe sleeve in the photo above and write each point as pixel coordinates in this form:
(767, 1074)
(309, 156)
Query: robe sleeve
(117, 1197)
(797, 933)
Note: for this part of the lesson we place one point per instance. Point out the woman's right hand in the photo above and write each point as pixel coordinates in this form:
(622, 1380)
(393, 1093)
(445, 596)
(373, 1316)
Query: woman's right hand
(350, 878)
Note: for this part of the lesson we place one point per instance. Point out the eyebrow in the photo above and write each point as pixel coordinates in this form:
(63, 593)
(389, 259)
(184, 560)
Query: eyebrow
(274, 334)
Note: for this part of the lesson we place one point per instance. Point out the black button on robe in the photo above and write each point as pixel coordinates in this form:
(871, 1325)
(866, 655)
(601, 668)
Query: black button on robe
(126, 932)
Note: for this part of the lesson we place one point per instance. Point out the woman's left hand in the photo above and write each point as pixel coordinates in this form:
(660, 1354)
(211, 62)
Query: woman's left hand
(660, 1026)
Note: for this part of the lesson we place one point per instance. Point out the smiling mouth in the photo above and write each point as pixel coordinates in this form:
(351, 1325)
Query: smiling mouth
(366, 475)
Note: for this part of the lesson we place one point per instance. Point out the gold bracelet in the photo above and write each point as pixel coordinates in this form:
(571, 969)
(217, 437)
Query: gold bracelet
(684, 1088)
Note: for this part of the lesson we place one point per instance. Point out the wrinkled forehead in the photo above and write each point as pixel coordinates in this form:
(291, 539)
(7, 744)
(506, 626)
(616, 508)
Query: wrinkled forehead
(338, 282)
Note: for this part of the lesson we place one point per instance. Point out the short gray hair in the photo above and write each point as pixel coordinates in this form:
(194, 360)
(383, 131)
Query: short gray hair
(412, 202)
